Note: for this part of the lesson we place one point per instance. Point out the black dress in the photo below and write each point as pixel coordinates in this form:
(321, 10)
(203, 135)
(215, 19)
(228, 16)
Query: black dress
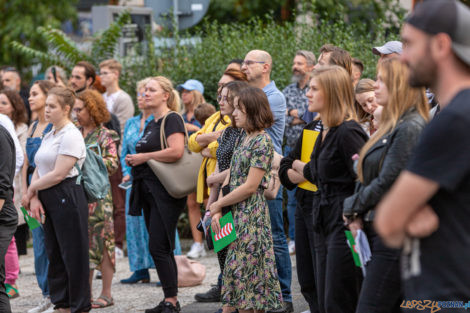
(161, 210)
(331, 170)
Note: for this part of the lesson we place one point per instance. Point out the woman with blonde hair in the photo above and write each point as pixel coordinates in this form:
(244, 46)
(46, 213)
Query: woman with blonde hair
(161, 210)
(405, 112)
(91, 112)
(331, 170)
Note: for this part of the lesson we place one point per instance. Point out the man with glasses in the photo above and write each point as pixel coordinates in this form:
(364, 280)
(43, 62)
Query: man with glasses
(120, 104)
(117, 100)
(257, 67)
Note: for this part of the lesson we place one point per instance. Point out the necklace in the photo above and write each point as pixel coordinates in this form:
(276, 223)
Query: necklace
(57, 129)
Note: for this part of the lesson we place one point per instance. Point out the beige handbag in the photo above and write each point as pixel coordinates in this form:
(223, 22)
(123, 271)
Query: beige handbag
(190, 272)
(179, 178)
(274, 183)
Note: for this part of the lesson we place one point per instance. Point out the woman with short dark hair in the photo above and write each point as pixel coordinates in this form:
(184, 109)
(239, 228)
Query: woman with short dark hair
(250, 282)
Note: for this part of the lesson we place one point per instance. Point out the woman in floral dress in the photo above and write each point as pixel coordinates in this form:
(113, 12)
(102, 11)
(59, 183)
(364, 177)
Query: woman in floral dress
(250, 281)
(91, 112)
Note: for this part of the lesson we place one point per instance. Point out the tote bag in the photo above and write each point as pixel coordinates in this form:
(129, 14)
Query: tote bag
(179, 178)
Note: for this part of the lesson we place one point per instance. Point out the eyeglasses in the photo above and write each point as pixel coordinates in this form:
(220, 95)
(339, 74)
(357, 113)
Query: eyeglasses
(220, 98)
(250, 62)
(141, 94)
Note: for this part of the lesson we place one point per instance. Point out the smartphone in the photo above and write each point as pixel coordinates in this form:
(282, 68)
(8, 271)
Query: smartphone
(125, 185)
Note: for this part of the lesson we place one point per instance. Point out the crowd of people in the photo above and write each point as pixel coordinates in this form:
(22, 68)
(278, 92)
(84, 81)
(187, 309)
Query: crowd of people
(386, 159)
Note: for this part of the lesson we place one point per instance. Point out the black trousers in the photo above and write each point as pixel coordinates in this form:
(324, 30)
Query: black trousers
(161, 218)
(381, 291)
(7, 229)
(66, 239)
(21, 237)
(338, 279)
(305, 249)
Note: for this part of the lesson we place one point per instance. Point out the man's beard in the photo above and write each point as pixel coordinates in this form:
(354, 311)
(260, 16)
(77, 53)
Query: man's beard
(423, 73)
(297, 77)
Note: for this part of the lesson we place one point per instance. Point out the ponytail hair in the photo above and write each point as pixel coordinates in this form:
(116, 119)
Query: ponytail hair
(65, 97)
(173, 102)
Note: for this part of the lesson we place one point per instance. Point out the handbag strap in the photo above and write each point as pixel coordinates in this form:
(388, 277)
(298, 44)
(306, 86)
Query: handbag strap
(163, 140)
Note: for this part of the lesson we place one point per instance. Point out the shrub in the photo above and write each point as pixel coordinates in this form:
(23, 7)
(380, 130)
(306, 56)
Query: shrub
(219, 43)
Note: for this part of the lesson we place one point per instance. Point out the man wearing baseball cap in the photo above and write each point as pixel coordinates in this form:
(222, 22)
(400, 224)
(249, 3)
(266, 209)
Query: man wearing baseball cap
(427, 211)
(388, 50)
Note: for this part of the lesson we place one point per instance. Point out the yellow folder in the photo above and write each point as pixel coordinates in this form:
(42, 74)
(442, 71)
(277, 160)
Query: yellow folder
(308, 142)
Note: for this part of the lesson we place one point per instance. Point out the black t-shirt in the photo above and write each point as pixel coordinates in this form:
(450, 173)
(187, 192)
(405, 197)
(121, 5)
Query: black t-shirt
(150, 140)
(441, 268)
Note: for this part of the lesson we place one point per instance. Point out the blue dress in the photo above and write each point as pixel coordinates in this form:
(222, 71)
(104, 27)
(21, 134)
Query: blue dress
(136, 231)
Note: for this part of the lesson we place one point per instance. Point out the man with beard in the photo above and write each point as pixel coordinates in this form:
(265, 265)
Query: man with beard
(427, 211)
(297, 102)
(83, 76)
(257, 67)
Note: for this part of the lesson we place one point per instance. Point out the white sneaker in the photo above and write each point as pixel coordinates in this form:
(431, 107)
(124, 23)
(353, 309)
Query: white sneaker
(291, 247)
(306, 311)
(50, 310)
(118, 253)
(44, 306)
(197, 251)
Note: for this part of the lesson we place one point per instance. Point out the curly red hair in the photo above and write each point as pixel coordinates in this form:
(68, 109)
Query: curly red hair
(93, 101)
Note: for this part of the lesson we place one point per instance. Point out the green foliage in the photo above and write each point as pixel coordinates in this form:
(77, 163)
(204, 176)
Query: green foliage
(219, 43)
(61, 50)
(20, 21)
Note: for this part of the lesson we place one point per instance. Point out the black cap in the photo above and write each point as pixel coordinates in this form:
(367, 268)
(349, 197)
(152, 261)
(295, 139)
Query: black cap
(445, 16)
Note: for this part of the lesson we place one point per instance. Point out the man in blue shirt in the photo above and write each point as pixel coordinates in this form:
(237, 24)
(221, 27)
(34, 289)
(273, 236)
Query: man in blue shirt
(257, 66)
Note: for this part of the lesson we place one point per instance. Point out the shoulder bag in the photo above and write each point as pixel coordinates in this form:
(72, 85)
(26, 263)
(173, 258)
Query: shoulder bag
(179, 178)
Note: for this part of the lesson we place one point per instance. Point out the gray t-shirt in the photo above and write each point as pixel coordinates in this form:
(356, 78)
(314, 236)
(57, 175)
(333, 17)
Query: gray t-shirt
(68, 141)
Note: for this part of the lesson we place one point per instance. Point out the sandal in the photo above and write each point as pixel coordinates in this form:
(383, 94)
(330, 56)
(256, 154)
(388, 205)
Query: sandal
(11, 291)
(99, 304)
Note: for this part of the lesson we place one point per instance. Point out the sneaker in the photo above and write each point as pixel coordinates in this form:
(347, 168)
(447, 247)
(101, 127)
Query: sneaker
(213, 295)
(43, 305)
(118, 253)
(98, 275)
(50, 310)
(165, 307)
(197, 251)
(291, 247)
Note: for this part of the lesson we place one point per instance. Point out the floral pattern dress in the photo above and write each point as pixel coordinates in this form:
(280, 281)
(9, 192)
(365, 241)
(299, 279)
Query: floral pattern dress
(250, 278)
(100, 222)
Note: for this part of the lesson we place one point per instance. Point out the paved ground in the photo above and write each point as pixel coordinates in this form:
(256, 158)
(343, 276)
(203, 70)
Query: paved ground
(136, 298)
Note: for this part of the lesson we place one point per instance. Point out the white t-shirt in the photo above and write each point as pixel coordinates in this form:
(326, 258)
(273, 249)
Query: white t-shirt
(68, 141)
(110, 99)
(8, 124)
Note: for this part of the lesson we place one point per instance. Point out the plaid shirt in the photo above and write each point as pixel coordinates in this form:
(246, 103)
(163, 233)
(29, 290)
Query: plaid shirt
(295, 99)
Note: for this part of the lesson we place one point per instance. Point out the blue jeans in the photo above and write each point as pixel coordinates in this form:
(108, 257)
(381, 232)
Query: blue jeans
(291, 203)
(281, 252)
(41, 262)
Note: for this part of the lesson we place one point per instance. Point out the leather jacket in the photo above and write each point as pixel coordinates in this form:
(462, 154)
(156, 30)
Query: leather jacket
(383, 163)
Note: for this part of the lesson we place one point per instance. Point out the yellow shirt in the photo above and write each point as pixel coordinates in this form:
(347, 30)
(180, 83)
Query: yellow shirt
(208, 165)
